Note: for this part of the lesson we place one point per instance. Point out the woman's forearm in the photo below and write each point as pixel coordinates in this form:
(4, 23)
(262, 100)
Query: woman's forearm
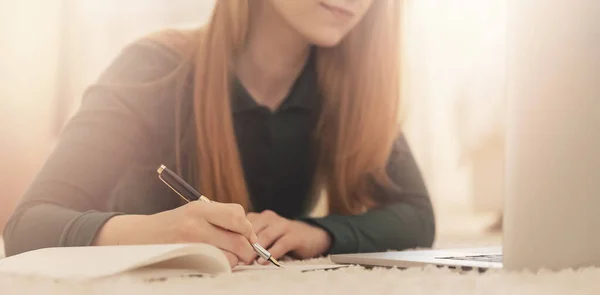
(399, 226)
(46, 225)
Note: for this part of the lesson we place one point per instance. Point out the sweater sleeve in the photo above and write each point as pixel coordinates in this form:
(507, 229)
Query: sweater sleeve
(406, 221)
(66, 204)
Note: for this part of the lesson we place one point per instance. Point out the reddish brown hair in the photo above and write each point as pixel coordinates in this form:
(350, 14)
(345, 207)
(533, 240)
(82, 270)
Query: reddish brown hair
(359, 81)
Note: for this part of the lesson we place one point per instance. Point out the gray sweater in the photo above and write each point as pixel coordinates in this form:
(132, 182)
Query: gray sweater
(106, 159)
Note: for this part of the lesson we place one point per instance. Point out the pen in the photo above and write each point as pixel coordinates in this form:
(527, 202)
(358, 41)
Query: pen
(189, 194)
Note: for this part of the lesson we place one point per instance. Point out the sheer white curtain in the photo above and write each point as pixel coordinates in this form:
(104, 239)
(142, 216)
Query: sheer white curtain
(455, 52)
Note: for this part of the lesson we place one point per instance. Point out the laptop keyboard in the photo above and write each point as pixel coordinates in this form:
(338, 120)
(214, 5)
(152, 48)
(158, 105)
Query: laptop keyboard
(481, 258)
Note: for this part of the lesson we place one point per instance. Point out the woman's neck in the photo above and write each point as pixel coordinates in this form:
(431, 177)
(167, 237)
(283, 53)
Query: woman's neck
(273, 58)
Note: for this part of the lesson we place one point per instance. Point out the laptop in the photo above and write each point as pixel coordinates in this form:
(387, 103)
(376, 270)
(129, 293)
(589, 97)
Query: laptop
(552, 164)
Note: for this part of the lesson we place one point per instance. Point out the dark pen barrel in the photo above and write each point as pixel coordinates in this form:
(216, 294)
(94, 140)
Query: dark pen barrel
(178, 184)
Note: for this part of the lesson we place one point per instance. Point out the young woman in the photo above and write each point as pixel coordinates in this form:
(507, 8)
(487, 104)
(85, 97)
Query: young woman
(271, 103)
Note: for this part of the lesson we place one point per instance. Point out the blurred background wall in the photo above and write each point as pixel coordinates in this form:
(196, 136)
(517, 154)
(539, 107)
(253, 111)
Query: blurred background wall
(29, 47)
(455, 55)
(51, 50)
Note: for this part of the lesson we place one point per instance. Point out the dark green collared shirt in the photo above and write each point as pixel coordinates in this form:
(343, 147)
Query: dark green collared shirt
(275, 147)
(105, 163)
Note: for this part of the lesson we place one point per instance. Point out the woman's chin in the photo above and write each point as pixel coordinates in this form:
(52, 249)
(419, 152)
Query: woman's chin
(327, 39)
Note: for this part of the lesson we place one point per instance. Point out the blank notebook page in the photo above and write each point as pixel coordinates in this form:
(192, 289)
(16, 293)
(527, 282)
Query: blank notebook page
(96, 262)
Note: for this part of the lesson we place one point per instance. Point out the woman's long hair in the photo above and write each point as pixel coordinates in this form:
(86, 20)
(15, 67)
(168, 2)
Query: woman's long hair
(358, 82)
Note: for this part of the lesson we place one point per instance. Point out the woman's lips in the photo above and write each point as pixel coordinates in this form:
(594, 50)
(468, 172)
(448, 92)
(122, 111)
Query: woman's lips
(338, 12)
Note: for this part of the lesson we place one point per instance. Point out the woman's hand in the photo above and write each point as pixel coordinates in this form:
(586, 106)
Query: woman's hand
(281, 236)
(222, 225)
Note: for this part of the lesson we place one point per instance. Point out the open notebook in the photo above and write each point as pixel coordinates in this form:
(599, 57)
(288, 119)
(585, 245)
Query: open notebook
(105, 261)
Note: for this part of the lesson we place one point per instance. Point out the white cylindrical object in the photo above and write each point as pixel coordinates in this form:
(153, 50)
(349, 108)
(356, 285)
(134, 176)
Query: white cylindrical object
(552, 215)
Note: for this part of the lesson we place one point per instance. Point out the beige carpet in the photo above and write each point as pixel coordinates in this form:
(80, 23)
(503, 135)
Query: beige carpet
(455, 230)
(353, 280)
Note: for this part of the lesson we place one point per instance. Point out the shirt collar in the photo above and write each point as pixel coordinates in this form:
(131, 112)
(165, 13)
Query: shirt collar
(303, 93)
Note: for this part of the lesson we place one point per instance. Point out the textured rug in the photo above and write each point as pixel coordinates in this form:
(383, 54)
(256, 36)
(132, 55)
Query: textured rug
(352, 280)
(457, 231)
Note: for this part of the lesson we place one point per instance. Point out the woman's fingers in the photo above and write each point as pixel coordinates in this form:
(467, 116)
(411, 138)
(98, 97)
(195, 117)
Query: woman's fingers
(231, 217)
(252, 216)
(268, 226)
(232, 242)
(272, 233)
(281, 247)
(260, 221)
(233, 260)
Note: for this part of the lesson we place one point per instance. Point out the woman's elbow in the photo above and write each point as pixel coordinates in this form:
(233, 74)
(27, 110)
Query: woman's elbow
(419, 231)
(426, 216)
(428, 231)
(426, 223)
(30, 227)
(9, 235)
